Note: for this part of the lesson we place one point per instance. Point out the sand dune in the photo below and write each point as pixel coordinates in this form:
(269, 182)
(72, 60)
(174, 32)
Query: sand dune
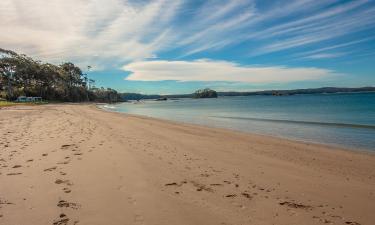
(76, 164)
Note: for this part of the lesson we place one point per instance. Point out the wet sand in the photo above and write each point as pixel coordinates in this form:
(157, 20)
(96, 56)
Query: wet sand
(76, 164)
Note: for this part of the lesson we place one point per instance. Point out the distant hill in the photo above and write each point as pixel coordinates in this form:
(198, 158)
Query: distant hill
(137, 96)
(323, 90)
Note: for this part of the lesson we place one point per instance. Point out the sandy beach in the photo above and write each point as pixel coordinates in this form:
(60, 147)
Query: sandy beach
(77, 164)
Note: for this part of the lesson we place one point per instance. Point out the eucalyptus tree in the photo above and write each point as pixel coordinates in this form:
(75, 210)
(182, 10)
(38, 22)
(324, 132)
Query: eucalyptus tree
(22, 75)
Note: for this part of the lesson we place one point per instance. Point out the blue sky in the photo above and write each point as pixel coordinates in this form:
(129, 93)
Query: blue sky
(178, 46)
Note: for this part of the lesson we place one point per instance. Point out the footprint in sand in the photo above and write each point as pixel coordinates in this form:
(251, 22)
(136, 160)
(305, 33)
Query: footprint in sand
(201, 187)
(67, 190)
(138, 219)
(246, 195)
(62, 220)
(4, 202)
(295, 205)
(67, 182)
(131, 200)
(352, 223)
(50, 169)
(65, 204)
(67, 146)
(231, 196)
(12, 174)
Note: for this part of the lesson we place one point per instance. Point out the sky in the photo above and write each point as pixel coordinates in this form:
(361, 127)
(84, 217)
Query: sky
(178, 46)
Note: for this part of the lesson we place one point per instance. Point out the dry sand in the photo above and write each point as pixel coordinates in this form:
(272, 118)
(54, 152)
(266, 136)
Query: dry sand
(76, 164)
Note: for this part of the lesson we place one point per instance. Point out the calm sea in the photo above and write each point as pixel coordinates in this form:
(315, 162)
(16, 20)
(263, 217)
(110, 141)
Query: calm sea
(346, 120)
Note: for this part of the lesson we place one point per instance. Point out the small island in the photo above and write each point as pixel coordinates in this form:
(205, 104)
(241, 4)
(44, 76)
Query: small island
(205, 93)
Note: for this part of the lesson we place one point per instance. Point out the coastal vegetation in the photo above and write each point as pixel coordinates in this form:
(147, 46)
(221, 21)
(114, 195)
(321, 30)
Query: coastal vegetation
(205, 93)
(21, 75)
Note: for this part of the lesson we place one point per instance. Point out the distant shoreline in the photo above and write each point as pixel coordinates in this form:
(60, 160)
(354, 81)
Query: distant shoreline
(322, 90)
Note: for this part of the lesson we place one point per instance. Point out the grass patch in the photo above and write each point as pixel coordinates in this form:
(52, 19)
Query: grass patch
(6, 103)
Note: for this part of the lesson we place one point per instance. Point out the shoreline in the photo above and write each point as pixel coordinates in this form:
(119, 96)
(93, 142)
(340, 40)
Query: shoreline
(280, 137)
(86, 165)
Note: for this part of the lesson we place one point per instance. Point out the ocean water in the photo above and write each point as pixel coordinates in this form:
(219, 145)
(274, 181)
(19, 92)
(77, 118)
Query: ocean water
(346, 120)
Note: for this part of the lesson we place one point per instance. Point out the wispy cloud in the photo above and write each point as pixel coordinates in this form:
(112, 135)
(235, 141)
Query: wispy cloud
(208, 70)
(325, 55)
(326, 25)
(91, 31)
(111, 33)
(338, 46)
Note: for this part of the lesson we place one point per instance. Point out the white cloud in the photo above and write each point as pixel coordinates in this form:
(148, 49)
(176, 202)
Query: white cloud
(208, 70)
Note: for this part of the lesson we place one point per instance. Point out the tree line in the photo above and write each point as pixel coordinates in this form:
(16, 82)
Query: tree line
(21, 75)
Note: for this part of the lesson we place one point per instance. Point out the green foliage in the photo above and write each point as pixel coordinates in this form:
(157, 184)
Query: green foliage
(21, 75)
(205, 93)
(105, 95)
(5, 103)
